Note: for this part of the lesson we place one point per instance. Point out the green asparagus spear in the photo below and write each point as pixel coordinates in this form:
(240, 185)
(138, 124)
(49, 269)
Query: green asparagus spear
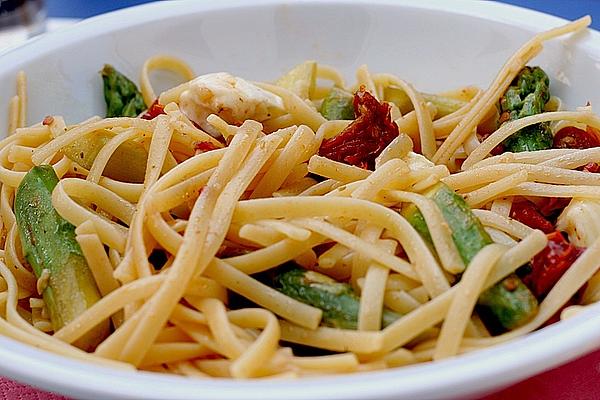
(301, 80)
(123, 99)
(467, 232)
(338, 301)
(445, 105)
(49, 244)
(527, 96)
(128, 162)
(509, 301)
(338, 104)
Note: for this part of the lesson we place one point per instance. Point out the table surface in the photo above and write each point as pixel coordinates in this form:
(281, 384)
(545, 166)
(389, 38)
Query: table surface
(576, 380)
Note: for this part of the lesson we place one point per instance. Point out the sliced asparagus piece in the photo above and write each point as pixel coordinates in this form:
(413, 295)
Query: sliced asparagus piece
(509, 301)
(339, 302)
(527, 96)
(338, 104)
(128, 162)
(49, 246)
(302, 79)
(123, 99)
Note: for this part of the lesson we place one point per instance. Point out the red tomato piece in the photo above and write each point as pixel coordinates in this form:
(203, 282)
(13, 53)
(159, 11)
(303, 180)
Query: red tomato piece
(592, 167)
(203, 147)
(571, 137)
(550, 264)
(527, 213)
(551, 205)
(154, 110)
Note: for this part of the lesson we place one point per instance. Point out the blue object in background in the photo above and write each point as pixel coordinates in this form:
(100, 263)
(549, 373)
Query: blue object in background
(569, 9)
(86, 8)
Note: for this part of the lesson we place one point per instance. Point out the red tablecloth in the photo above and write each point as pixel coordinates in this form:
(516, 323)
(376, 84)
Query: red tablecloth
(578, 380)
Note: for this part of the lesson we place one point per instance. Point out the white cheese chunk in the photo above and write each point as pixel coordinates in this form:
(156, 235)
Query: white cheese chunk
(231, 98)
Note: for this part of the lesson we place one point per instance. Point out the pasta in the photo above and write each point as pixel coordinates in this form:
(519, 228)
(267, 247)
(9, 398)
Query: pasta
(223, 227)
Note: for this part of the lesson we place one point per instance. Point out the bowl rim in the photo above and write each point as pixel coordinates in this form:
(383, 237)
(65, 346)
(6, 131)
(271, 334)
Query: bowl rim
(576, 336)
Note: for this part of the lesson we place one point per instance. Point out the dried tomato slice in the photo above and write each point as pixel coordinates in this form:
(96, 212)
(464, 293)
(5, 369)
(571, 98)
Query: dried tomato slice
(551, 263)
(592, 167)
(496, 151)
(364, 139)
(551, 205)
(203, 147)
(527, 213)
(154, 111)
(571, 137)
(323, 247)
(48, 120)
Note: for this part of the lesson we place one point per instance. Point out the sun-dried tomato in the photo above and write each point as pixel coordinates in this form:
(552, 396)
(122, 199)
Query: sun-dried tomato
(154, 110)
(571, 137)
(499, 149)
(592, 167)
(551, 263)
(323, 247)
(549, 206)
(203, 147)
(364, 139)
(527, 213)
(233, 250)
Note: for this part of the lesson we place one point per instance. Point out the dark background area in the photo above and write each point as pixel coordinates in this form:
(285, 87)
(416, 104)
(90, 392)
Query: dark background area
(88, 8)
(569, 9)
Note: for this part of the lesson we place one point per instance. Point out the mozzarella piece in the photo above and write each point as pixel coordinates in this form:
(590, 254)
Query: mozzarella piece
(580, 221)
(417, 161)
(231, 98)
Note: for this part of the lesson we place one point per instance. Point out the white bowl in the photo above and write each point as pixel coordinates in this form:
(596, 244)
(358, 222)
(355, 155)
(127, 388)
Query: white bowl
(434, 44)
